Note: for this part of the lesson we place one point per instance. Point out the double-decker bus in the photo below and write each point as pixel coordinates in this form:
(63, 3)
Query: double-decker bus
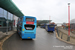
(26, 27)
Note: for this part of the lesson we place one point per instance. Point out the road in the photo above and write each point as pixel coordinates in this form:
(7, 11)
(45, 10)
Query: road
(44, 41)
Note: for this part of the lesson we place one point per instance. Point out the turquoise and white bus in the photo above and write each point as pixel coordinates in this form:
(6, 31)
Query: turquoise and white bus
(26, 27)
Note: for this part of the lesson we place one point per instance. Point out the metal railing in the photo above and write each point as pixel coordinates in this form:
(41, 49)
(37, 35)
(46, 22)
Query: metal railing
(64, 35)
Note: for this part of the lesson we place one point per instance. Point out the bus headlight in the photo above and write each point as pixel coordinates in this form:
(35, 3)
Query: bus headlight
(23, 29)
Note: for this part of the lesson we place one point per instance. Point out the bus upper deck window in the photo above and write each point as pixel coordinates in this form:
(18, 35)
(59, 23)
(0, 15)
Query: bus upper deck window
(30, 19)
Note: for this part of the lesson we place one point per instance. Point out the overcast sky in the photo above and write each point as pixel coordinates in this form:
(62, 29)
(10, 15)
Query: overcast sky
(42, 9)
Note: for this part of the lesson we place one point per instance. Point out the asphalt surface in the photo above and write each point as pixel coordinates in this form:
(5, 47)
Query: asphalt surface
(44, 41)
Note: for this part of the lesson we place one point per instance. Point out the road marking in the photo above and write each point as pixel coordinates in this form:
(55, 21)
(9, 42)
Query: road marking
(5, 40)
(0, 42)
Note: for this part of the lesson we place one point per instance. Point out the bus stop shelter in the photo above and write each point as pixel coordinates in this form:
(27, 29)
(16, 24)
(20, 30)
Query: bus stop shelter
(9, 6)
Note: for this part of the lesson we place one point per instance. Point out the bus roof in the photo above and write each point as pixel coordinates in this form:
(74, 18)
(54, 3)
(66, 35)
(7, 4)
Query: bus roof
(29, 16)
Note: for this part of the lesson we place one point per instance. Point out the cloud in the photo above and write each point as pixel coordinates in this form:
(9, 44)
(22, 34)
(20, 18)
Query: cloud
(42, 9)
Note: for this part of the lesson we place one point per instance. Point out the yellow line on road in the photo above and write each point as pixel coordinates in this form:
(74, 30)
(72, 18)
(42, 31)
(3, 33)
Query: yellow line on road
(5, 40)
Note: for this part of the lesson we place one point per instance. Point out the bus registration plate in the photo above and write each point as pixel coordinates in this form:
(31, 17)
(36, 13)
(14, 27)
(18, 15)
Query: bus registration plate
(28, 37)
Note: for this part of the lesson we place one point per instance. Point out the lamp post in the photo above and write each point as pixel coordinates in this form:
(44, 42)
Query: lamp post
(49, 19)
(7, 23)
(68, 39)
(13, 21)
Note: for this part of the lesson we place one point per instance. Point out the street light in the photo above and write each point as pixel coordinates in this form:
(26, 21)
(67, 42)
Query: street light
(7, 23)
(68, 39)
(49, 19)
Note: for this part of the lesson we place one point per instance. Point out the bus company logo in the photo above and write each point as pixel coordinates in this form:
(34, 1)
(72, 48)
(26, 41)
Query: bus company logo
(29, 22)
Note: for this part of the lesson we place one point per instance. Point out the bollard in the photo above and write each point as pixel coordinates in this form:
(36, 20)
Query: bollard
(57, 32)
(68, 38)
(61, 35)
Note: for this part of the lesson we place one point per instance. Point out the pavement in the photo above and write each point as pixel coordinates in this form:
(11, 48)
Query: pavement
(66, 31)
(65, 36)
(44, 41)
(4, 36)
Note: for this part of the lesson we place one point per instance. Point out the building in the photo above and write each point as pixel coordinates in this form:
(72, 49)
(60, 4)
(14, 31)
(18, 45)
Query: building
(43, 22)
(9, 12)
